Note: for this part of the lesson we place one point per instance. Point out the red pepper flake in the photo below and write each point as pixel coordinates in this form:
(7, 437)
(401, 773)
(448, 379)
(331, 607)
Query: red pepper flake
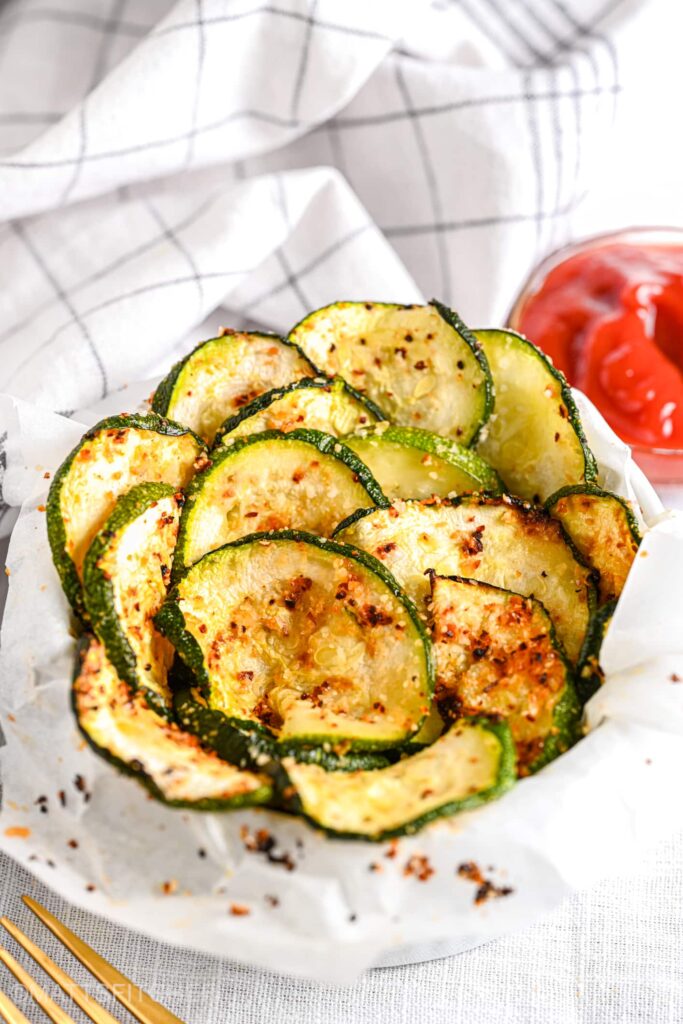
(675, 678)
(41, 508)
(72, 844)
(263, 842)
(46, 474)
(419, 867)
(239, 910)
(90, 887)
(393, 850)
(202, 627)
(486, 889)
(168, 888)
(62, 797)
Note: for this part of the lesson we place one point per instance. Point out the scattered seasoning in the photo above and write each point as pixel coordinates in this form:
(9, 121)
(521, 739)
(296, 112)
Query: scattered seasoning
(40, 508)
(263, 842)
(81, 786)
(675, 678)
(90, 887)
(7, 571)
(62, 797)
(486, 889)
(353, 918)
(375, 868)
(17, 832)
(72, 844)
(272, 901)
(648, 760)
(393, 849)
(46, 474)
(41, 803)
(419, 867)
(239, 910)
(168, 888)
(201, 853)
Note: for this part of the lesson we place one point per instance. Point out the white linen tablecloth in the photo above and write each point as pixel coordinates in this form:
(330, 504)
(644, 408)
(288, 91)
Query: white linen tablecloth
(169, 167)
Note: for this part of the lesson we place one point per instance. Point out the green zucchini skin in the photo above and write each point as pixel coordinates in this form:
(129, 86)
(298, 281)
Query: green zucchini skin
(56, 533)
(455, 321)
(506, 778)
(254, 748)
(609, 559)
(326, 444)
(589, 470)
(589, 674)
(99, 593)
(303, 333)
(263, 402)
(136, 771)
(465, 460)
(165, 389)
(170, 620)
(167, 399)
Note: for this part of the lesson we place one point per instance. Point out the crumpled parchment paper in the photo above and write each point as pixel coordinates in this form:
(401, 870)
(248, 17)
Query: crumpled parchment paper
(176, 875)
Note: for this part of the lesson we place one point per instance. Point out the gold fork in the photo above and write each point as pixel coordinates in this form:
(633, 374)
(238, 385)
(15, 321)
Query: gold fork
(143, 1007)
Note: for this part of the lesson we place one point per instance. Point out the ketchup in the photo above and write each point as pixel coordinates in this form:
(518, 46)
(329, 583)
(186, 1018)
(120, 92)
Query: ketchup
(611, 318)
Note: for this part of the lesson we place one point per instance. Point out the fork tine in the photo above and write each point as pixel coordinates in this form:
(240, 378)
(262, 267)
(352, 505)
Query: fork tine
(91, 1008)
(10, 1013)
(37, 994)
(143, 1007)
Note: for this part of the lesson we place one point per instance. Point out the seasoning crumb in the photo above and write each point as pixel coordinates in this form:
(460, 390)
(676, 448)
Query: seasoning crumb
(90, 887)
(486, 889)
(263, 842)
(72, 844)
(46, 474)
(353, 918)
(239, 910)
(374, 867)
(393, 849)
(201, 853)
(168, 888)
(272, 901)
(17, 832)
(419, 867)
(40, 508)
(675, 678)
(8, 571)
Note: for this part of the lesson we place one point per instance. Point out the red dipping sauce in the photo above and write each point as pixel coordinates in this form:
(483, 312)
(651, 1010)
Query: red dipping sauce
(610, 315)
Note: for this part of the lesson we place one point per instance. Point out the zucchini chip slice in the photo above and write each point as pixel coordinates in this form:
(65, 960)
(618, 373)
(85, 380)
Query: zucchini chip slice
(223, 374)
(589, 673)
(412, 463)
(305, 637)
(116, 454)
(172, 764)
(500, 541)
(603, 528)
(254, 747)
(272, 481)
(325, 404)
(421, 365)
(496, 654)
(472, 763)
(125, 576)
(535, 439)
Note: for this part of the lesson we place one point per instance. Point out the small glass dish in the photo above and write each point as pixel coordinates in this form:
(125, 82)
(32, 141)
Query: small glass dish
(661, 465)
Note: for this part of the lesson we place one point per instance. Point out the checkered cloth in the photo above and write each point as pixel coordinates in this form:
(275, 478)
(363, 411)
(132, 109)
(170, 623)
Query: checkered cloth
(164, 163)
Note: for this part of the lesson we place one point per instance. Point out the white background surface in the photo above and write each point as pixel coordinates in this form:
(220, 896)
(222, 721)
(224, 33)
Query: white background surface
(612, 955)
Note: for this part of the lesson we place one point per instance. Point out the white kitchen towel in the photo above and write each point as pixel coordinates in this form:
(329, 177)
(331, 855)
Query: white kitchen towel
(165, 164)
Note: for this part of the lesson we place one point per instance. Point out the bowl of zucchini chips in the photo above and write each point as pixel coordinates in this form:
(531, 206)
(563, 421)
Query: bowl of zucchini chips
(360, 574)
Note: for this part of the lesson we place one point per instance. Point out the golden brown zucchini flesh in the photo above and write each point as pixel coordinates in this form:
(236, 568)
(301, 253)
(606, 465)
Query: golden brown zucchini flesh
(496, 654)
(603, 528)
(170, 763)
(500, 541)
(304, 637)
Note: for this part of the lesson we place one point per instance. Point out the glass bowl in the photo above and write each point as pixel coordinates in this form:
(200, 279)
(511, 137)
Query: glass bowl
(661, 465)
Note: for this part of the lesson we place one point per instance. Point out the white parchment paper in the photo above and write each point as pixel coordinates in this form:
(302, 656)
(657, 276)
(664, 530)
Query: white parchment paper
(176, 875)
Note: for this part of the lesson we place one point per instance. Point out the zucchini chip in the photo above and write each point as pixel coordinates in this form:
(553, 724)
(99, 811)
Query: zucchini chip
(272, 481)
(304, 637)
(224, 374)
(254, 747)
(535, 438)
(116, 454)
(472, 763)
(325, 404)
(421, 365)
(125, 576)
(603, 528)
(496, 654)
(172, 764)
(412, 463)
(589, 673)
(501, 541)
